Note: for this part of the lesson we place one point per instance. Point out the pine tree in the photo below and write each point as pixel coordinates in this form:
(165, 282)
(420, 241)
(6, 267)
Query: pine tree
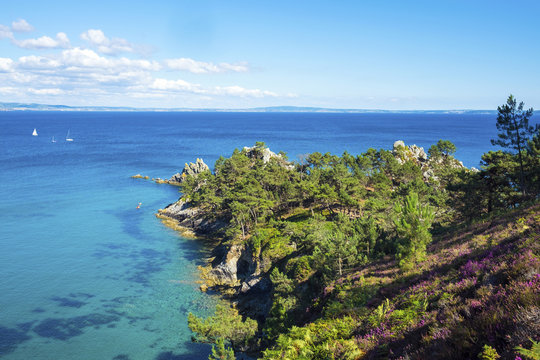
(412, 225)
(220, 352)
(515, 131)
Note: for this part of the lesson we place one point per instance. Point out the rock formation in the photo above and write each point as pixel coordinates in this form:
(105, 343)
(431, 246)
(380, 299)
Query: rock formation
(414, 153)
(256, 152)
(192, 218)
(191, 169)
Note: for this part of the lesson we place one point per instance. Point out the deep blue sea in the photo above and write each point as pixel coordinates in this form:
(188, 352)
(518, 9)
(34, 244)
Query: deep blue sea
(86, 275)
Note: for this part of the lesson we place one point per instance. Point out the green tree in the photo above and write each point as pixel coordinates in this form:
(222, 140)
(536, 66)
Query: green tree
(497, 177)
(284, 300)
(412, 226)
(514, 131)
(532, 172)
(227, 324)
(337, 253)
(443, 147)
(220, 352)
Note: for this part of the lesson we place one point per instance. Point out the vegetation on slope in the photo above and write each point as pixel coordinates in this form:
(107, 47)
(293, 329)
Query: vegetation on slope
(346, 242)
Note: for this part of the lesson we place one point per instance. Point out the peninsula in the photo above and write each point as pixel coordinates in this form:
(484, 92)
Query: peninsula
(396, 253)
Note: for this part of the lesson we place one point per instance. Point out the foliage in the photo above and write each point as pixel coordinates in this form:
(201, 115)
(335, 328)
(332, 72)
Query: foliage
(488, 353)
(221, 352)
(533, 353)
(412, 222)
(226, 324)
(514, 130)
(324, 232)
(442, 148)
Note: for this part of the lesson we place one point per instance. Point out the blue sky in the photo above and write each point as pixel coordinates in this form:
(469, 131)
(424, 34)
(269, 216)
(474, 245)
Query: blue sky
(237, 54)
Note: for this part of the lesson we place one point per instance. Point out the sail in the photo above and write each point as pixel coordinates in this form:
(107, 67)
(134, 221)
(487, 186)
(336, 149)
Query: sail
(35, 132)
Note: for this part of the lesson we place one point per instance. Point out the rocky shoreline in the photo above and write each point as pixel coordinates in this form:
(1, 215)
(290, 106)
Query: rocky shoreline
(232, 269)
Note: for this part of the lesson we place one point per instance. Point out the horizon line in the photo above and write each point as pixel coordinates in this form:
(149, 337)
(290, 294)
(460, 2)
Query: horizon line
(19, 106)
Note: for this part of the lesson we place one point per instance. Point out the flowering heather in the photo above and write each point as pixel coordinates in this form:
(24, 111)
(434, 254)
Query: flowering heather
(476, 287)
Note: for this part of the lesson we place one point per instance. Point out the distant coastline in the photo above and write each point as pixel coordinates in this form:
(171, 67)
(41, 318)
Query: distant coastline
(12, 106)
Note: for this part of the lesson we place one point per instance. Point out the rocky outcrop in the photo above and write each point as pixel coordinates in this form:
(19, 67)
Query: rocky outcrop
(139, 176)
(265, 154)
(414, 153)
(191, 169)
(193, 218)
(233, 265)
(238, 273)
(409, 153)
(256, 152)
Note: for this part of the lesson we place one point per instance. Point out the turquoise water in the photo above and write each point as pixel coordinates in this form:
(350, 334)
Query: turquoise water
(86, 275)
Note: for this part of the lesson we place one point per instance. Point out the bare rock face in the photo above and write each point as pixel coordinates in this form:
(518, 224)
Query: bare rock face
(265, 154)
(181, 210)
(398, 144)
(235, 265)
(193, 218)
(407, 153)
(191, 169)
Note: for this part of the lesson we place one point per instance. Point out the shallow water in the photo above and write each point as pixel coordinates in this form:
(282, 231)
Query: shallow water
(86, 275)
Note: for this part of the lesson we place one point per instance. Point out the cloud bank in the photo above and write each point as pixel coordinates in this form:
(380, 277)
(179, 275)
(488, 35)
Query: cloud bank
(108, 68)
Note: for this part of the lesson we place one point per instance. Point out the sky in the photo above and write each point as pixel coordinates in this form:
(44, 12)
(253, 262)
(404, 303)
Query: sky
(394, 55)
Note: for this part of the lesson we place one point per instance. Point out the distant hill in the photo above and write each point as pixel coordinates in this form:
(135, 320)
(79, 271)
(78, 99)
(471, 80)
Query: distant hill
(13, 106)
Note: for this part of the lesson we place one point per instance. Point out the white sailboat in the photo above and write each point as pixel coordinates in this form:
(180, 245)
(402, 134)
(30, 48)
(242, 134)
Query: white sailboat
(53, 139)
(35, 132)
(68, 138)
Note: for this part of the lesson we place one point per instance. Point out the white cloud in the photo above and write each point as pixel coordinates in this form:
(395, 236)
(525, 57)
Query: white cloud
(105, 45)
(6, 65)
(83, 58)
(242, 92)
(8, 90)
(178, 85)
(22, 77)
(87, 58)
(201, 67)
(38, 62)
(21, 25)
(44, 42)
(5, 32)
(123, 79)
(45, 91)
(83, 73)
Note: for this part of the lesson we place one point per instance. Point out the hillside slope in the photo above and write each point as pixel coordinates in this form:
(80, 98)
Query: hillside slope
(479, 285)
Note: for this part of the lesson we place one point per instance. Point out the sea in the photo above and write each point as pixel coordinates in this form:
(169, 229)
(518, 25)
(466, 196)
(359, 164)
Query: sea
(85, 274)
